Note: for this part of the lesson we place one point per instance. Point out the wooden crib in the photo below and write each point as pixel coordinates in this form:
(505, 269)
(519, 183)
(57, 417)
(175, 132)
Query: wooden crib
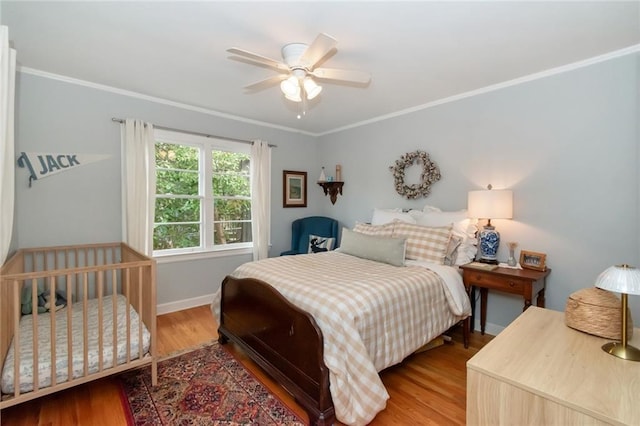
(108, 323)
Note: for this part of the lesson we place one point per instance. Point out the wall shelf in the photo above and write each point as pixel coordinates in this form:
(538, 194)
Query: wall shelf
(332, 189)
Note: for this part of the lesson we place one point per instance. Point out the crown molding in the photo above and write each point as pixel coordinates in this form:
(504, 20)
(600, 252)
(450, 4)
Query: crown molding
(499, 86)
(132, 94)
(509, 83)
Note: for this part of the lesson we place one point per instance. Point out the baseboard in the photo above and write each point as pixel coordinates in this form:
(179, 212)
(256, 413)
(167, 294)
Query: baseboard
(492, 329)
(180, 305)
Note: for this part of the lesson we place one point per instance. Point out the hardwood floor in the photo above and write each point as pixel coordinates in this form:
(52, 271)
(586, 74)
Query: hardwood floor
(428, 388)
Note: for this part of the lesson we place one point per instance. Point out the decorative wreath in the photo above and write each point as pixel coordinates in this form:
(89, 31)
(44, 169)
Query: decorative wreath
(430, 174)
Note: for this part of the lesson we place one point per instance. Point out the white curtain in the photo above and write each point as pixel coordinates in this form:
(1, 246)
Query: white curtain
(7, 149)
(138, 184)
(260, 198)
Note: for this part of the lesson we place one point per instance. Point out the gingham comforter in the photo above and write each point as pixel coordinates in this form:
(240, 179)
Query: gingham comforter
(372, 315)
(93, 331)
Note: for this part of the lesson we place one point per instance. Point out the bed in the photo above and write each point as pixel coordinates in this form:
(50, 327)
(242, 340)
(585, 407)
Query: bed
(104, 322)
(325, 324)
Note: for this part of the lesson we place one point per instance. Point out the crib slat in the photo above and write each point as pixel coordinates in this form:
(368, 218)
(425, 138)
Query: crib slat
(16, 340)
(52, 309)
(140, 313)
(85, 324)
(128, 314)
(114, 307)
(77, 282)
(100, 322)
(69, 329)
(85, 252)
(34, 318)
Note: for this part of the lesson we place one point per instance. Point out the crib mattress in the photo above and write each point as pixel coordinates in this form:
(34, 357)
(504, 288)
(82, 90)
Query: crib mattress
(93, 331)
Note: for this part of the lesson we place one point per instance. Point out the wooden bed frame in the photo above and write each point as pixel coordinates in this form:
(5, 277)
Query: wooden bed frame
(283, 339)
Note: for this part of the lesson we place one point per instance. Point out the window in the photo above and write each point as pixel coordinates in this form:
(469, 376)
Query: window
(203, 194)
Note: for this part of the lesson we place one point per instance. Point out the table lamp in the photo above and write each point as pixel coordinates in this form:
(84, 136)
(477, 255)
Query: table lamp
(623, 279)
(490, 204)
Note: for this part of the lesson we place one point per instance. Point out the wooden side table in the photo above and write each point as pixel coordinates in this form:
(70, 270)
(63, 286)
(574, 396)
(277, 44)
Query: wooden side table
(523, 282)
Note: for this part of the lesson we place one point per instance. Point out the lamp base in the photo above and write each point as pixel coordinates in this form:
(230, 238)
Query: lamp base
(627, 352)
(489, 241)
(490, 261)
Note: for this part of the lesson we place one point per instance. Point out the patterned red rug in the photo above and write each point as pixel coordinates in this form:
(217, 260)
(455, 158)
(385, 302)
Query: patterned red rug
(205, 387)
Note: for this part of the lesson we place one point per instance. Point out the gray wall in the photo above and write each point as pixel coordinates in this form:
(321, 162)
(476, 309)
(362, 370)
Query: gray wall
(84, 204)
(567, 146)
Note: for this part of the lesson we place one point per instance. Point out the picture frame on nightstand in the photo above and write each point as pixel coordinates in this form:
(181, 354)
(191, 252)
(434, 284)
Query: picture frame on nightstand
(533, 260)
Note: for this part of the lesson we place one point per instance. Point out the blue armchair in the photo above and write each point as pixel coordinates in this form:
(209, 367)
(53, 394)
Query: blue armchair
(312, 225)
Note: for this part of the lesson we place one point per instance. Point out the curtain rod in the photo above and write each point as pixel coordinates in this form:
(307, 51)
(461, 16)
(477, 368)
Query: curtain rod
(206, 135)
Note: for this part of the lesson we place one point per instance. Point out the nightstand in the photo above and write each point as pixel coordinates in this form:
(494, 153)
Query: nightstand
(523, 282)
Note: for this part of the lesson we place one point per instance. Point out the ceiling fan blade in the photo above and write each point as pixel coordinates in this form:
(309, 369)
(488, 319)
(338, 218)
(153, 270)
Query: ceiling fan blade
(266, 83)
(259, 59)
(342, 75)
(317, 50)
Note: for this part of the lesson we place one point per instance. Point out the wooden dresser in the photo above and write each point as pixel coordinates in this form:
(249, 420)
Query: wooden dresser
(538, 371)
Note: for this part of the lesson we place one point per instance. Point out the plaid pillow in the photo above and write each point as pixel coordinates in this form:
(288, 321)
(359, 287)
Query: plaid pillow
(385, 230)
(424, 242)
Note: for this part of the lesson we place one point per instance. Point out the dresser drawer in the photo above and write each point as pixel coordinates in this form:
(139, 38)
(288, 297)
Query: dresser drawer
(507, 284)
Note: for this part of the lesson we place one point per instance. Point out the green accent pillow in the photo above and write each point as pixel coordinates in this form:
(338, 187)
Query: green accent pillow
(381, 249)
(26, 299)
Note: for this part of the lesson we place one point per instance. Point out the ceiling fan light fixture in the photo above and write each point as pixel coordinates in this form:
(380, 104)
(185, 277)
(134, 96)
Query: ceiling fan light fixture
(295, 97)
(298, 68)
(290, 87)
(311, 88)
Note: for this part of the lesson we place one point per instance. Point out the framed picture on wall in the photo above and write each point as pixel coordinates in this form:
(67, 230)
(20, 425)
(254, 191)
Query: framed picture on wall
(294, 189)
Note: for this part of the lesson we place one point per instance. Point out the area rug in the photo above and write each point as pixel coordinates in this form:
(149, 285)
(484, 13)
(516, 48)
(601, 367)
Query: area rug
(207, 386)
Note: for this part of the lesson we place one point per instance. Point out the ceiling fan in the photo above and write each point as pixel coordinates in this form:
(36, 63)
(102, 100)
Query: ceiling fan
(298, 72)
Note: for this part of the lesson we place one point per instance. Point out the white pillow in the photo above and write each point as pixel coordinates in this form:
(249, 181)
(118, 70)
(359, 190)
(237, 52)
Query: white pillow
(318, 244)
(466, 251)
(461, 223)
(416, 214)
(429, 209)
(451, 254)
(380, 249)
(382, 216)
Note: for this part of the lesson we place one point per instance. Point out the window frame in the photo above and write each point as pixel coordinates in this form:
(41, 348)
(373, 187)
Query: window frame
(206, 146)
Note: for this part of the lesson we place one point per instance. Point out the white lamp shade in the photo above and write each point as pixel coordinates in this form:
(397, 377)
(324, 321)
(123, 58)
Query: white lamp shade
(295, 97)
(290, 87)
(490, 204)
(311, 88)
(620, 279)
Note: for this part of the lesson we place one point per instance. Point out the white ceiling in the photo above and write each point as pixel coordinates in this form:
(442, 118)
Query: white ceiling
(416, 52)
